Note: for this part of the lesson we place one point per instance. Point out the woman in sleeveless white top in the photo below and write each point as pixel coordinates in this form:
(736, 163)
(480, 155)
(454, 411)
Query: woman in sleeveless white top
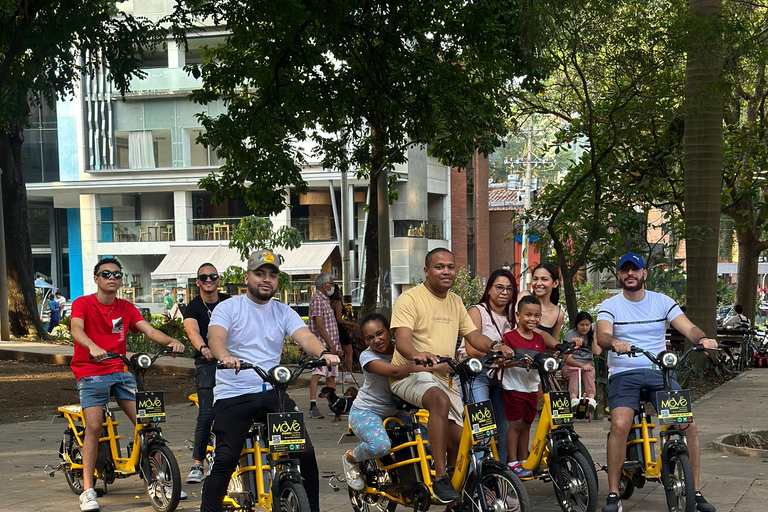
(494, 316)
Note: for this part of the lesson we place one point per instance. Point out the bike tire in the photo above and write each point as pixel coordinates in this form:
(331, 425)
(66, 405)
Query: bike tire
(74, 477)
(580, 482)
(504, 492)
(293, 498)
(626, 487)
(163, 484)
(677, 478)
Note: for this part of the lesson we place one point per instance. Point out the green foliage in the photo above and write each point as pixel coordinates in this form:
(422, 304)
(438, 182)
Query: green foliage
(671, 282)
(233, 275)
(137, 342)
(589, 298)
(467, 287)
(292, 352)
(725, 295)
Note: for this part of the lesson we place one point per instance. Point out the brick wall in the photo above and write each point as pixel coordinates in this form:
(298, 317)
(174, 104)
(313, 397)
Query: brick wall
(458, 216)
(501, 250)
(482, 218)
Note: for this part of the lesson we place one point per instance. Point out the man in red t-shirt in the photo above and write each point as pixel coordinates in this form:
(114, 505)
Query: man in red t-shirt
(99, 324)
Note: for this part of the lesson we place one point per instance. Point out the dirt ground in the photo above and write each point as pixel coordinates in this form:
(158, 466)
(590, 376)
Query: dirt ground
(33, 391)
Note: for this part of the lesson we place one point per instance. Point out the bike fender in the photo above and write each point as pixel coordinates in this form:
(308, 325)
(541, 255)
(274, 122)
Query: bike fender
(566, 447)
(495, 464)
(673, 446)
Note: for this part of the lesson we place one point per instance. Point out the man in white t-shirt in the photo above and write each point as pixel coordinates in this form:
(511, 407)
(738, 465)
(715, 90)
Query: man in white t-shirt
(639, 317)
(252, 328)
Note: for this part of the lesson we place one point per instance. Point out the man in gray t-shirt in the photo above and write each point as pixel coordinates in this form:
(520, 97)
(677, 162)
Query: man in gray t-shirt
(639, 317)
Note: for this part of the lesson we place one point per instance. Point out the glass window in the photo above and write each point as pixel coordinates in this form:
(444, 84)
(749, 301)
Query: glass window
(145, 149)
(40, 228)
(409, 229)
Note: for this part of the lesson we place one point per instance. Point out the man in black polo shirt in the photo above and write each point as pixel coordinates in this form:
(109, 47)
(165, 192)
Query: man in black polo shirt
(196, 318)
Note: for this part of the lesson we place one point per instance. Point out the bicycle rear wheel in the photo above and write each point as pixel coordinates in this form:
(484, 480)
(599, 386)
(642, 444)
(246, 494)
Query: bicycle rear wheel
(163, 484)
(677, 478)
(74, 477)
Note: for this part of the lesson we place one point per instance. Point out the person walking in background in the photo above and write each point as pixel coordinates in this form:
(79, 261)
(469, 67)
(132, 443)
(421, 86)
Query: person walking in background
(322, 323)
(55, 317)
(582, 361)
(343, 325)
(197, 315)
(167, 302)
(62, 305)
(494, 316)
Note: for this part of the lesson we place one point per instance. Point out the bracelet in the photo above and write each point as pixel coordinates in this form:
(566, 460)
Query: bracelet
(494, 343)
(323, 353)
(202, 347)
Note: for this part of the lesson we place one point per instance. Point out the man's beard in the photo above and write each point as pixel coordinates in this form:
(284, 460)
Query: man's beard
(254, 290)
(639, 283)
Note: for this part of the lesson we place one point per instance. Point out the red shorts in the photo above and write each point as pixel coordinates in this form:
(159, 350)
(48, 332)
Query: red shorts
(519, 405)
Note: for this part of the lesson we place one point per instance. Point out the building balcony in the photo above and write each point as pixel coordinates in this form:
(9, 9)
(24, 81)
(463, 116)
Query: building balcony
(432, 230)
(164, 80)
(161, 230)
(315, 228)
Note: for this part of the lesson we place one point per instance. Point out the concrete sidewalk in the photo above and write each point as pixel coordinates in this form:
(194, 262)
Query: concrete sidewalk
(731, 483)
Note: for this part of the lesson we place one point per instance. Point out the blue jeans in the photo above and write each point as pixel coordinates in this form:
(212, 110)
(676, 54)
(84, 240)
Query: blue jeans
(205, 379)
(484, 388)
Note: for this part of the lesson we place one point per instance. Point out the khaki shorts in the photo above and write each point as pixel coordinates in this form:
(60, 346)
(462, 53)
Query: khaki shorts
(412, 390)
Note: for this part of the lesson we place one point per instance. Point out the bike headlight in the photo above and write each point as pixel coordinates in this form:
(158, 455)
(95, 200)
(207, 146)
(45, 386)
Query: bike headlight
(143, 361)
(668, 360)
(550, 365)
(474, 365)
(280, 374)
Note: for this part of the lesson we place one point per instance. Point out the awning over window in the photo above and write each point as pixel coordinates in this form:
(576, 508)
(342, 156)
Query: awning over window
(182, 261)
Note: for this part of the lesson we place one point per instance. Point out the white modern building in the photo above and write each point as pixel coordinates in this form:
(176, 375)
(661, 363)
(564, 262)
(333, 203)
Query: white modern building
(108, 176)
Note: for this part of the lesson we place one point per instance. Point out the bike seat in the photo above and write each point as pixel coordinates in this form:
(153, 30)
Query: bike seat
(402, 405)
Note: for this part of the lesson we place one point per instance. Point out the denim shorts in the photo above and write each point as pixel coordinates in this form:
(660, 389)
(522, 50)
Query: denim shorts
(624, 388)
(95, 391)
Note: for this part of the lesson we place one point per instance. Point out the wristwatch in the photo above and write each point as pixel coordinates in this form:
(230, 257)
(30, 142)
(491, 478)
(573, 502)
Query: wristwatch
(494, 343)
(323, 353)
(202, 347)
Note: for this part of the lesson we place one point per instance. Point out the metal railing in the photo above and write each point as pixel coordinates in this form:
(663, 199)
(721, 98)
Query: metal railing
(315, 228)
(137, 230)
(215, 228)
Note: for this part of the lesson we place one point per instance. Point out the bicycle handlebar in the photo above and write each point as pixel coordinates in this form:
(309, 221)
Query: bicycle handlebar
(114, 355)
(311, 363)
(635, 351)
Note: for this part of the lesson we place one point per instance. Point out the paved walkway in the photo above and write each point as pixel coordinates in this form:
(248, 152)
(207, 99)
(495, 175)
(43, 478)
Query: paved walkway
(731, 483)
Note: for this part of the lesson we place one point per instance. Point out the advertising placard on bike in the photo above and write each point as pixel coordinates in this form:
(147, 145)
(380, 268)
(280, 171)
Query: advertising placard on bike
(674, 407)
(560, 403)
(286, 432)
(481, 420)
(150, 407)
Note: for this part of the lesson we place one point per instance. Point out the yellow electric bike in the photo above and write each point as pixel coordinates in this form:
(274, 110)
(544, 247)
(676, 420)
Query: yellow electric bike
(670, 465)
(148, 454)
(405, 475)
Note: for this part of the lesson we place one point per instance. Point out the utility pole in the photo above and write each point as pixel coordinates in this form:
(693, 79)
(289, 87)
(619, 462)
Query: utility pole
(5, 324)
(346, 282)
(524, 260)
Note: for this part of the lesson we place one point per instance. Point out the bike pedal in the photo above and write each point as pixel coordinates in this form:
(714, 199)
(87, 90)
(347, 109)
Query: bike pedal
(100, 493)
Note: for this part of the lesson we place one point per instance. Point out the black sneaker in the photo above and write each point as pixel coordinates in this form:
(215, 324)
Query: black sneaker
(444, 491)
(612, 503)
(702, 505)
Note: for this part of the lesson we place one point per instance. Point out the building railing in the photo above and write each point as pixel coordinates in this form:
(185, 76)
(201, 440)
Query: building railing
(137, 230)
(165, 79)
(315, 228)
(219, 228)
(300, 292)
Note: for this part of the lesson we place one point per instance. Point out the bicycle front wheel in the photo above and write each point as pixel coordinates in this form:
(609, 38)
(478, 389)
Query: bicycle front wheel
(293, 498)
(502, 491)
(677, 478)
(579, 490)
(163, 484)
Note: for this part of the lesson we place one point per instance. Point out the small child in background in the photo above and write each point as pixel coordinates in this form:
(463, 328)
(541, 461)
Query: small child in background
(520, 384)
(582, 360)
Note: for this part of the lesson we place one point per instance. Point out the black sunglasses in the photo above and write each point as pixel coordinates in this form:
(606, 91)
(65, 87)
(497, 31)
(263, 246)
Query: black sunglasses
(114, 273)
(205, 277)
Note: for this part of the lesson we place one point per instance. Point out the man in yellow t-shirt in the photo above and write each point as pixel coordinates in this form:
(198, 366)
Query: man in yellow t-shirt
(428, 319)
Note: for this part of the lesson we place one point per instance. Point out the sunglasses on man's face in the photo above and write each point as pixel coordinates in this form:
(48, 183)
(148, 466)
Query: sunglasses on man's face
(204, 277)
(114, 273)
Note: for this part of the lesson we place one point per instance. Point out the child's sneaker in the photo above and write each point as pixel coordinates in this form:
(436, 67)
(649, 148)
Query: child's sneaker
(592, 404)
(88, 500)
(520, 471)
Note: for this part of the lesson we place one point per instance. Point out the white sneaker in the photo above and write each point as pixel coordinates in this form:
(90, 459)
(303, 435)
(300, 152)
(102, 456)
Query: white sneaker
(575, 403)
(349, 379)
(195, 474)
(88, 500)
(592, 404)
(352, 474)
